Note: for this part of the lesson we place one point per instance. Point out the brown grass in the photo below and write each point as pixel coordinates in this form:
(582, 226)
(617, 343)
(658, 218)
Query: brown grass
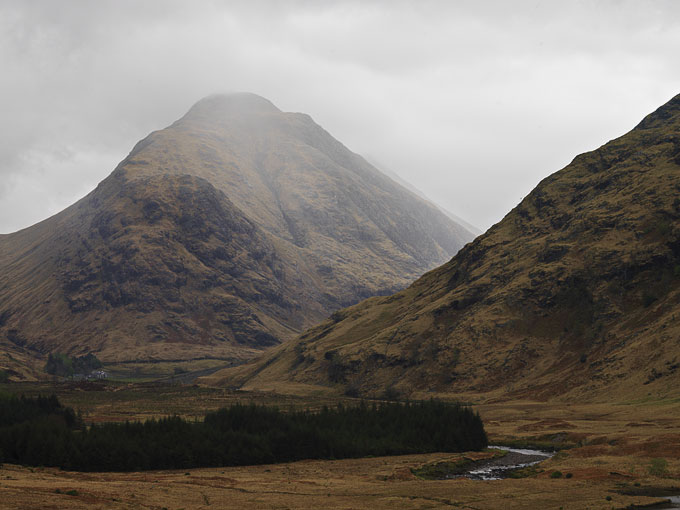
(612, 447)
(376, 483)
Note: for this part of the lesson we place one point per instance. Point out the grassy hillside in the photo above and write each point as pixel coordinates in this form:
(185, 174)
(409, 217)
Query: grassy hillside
(575, 293)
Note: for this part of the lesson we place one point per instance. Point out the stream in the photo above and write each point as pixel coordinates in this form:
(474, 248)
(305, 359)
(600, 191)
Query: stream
(498, 468)
(517, 458)
(675, 502)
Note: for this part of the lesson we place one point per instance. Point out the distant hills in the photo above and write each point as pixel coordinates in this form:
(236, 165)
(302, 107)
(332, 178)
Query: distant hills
(574, 294)
(235, 228)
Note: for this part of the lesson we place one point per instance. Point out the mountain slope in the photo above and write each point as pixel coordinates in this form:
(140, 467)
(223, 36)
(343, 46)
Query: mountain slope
(575, 292)
(231, 230)
(396, 178)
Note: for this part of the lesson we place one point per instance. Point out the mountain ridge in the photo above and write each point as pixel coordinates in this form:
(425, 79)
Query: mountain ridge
(229, 231)
(573, 294)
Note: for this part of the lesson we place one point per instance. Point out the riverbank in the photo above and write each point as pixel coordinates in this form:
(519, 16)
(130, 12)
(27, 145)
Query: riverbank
(506, 465)
(495, 463)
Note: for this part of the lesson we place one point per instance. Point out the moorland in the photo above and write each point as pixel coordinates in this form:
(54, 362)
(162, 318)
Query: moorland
(610, 455)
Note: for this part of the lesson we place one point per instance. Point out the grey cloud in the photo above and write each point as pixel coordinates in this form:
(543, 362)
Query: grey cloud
(472, 102)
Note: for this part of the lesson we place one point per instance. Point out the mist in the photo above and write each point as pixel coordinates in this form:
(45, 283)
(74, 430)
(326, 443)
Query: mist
(471, 102)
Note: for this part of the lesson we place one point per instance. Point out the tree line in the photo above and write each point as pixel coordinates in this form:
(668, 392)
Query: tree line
(41, 431)
(65, 366)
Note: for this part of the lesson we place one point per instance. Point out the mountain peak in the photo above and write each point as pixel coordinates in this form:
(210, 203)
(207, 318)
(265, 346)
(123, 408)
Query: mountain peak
(235, 228)
(219, 106)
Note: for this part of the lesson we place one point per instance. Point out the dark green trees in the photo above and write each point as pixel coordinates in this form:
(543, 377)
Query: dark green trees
(64, 366)
(42, 432)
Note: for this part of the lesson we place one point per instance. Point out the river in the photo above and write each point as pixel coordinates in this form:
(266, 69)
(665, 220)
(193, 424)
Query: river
(518, 458)
(674, 502)
(498, 468)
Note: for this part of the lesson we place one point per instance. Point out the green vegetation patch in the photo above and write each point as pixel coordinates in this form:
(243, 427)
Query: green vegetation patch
(441, 470)
(525, 472)
(548, 442)
(42, 434)
(658, 467)
(64, 366)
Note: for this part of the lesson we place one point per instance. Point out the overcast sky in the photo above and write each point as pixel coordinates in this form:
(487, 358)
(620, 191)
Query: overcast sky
(472, 102)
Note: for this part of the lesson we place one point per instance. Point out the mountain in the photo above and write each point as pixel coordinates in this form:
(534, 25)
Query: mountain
(574, 294)
(231, 230)
(396, 178)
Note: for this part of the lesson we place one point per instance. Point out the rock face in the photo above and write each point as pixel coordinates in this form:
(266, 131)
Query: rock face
(226, 233)
(575, 292)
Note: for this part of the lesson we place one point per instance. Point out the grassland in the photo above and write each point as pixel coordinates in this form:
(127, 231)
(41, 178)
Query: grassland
(120, 401)
(628, 452)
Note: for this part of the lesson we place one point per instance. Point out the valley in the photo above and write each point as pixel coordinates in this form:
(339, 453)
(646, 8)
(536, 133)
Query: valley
(339, 255)
(610, 450)
(558, 325)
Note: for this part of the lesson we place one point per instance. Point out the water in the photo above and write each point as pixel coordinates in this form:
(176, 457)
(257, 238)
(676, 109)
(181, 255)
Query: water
(675, 502)
(516, 458)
